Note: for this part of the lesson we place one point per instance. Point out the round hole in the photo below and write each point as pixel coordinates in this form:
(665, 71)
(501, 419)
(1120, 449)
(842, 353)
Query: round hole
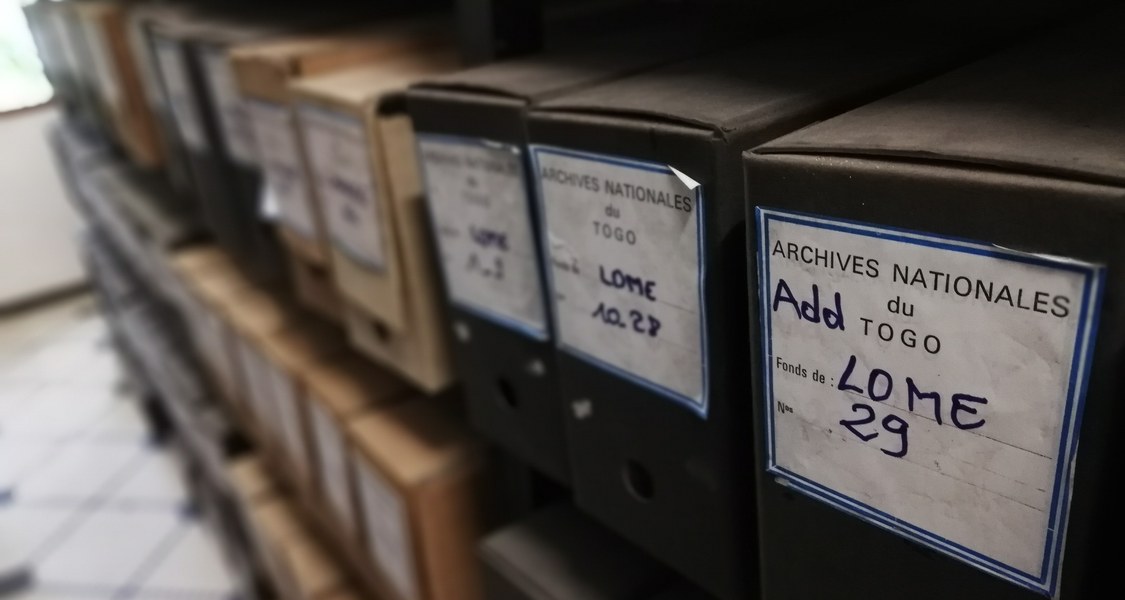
(381, 332)
(506, 394)
(638, 481)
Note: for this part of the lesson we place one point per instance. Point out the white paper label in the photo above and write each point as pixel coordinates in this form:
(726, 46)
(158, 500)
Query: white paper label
(234, 117)
(931, 386)
(341, 170)
(478, 198)
(332, 461)
(288, 412)
(623, 238)
(388, 530)
(280, 155)
(177, 86)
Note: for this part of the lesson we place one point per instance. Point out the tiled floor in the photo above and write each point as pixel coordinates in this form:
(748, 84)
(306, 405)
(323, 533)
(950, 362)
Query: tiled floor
(87, 501)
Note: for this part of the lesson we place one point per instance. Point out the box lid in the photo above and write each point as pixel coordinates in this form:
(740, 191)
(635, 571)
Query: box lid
(250, 479)
(605, 58)
(257, 313)
(202, 258)
(781, 81)
(414, 441)
(294, 349)
(218, 286)
(1053, 105)
(361, 87)
(276, 521)
(264, 68)
(349, 383)
(565, 554)
(311, 571)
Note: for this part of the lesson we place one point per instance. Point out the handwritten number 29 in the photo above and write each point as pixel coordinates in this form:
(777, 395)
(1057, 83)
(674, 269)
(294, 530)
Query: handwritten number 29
(891, 423)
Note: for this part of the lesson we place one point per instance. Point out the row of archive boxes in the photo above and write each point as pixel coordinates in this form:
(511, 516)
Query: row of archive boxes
(767, 301)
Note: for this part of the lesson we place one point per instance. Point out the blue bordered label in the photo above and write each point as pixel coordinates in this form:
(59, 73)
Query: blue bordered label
(623, 240)
(477, 194)
(931, 386)
(341, 167)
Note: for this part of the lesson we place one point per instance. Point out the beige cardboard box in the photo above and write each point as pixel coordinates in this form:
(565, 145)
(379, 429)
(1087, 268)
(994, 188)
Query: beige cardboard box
(308, 571)
(337, 392)
(277, 364)
(210, 283)
(274, 522)
(118, 79)
(418, 472)
(251, 314)
(264, 71)
(368, 191)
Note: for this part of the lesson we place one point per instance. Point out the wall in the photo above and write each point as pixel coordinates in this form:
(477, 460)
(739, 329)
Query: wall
(38, 227)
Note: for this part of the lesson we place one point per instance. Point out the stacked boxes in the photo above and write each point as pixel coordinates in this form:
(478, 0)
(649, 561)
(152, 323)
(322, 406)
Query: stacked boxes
(643, 205)
(419, 476)
(263, 73)
(472, 143)
(337, 393)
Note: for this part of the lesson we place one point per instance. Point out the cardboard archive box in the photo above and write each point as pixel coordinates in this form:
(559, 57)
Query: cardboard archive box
(472, 144)
(641, 193)
(263, 73)
(210, 284)
(419, 476)
(118, 86)
(190, 54)
(560, 554)
(978, 341)
(143, 18)
(366, 187)
(338, 392)
(250, 315)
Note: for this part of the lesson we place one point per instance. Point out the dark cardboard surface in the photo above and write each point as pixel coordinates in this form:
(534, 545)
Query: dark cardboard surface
(496, 364)
(1019, 151)
(698, 116)
(1034, 122)
(561, 554)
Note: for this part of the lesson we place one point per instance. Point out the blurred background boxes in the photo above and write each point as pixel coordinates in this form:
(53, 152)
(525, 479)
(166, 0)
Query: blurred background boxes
(338, 392)
(368, 191)
(420, 477)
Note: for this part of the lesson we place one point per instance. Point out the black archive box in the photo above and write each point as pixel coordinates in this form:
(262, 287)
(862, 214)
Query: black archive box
(975, 345)
(472, 143)
(211, 128)
(560, 554)
(641, 191)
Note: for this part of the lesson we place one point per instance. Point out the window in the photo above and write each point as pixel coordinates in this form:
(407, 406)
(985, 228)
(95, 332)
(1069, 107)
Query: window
(22, 82)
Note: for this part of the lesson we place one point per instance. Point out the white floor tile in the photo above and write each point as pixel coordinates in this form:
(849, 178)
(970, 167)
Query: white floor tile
(156, 480)
(107, 549)
(194, 565)
(40, 592)
(14, 397)
(79, 472)
(61, 409)
(123, 420)
(20, 457)
(26, 531)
